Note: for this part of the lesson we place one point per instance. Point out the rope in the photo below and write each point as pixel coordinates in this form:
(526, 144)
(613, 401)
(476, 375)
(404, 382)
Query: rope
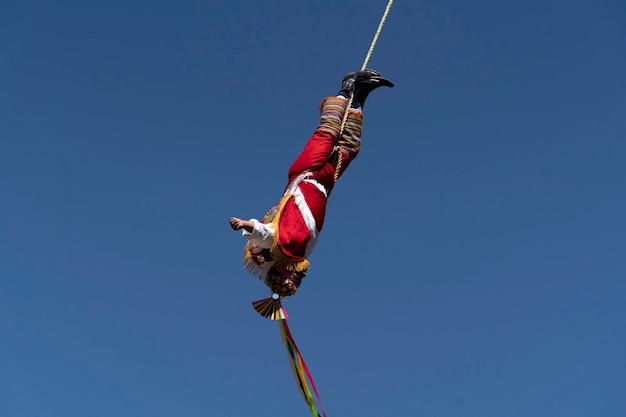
(367, 60)
(380, 28)
(272, 309)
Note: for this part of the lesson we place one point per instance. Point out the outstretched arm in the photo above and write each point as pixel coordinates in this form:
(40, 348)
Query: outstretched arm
(255, 231)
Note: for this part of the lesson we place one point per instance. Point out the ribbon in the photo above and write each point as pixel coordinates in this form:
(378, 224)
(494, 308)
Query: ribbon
(301, 372)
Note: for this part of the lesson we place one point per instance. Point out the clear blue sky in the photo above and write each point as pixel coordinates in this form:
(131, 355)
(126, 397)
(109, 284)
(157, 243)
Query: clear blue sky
(473, 258)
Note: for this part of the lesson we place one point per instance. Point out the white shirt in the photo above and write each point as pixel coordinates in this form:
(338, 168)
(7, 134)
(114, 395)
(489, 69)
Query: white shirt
(262, 234)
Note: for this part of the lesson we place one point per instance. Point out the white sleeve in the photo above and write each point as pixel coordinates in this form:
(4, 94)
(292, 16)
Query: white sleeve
(262, 234)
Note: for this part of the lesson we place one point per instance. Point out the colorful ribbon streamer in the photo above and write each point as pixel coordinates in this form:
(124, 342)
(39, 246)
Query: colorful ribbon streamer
(301, 372)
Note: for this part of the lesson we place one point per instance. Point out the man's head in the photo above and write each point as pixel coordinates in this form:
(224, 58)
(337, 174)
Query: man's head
(283, 282)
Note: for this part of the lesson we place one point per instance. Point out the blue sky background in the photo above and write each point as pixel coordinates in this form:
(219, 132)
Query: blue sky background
(472, 261)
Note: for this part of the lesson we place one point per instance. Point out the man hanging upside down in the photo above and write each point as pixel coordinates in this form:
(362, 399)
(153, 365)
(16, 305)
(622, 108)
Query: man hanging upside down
(280, 243)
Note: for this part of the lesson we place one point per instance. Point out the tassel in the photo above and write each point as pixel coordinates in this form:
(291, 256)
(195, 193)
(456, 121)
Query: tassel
(270, 308)
(301, 372)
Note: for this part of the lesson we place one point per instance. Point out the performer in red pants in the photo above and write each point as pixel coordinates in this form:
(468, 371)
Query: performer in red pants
(279, 245)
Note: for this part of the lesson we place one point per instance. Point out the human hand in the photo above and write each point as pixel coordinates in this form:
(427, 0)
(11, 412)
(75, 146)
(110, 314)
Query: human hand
(236, 223)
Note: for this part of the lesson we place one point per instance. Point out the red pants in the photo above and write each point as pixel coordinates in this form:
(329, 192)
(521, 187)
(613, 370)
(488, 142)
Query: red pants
(317, 158)
(316, 155)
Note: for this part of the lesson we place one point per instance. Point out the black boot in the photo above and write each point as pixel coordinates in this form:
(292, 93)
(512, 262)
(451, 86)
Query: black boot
(347, 85)
(365, 82)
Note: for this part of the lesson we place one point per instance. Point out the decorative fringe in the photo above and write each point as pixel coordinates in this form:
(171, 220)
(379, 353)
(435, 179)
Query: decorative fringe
(301, 372)
(251, 266)
(279, 212)
(270, 308)
(288, 263)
